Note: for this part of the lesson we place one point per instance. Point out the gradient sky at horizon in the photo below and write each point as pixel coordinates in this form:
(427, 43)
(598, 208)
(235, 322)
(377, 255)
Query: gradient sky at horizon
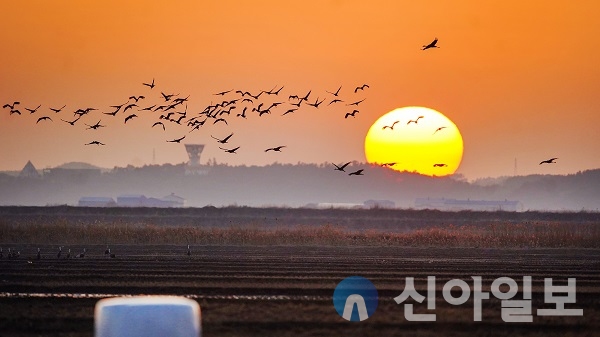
(519, 79)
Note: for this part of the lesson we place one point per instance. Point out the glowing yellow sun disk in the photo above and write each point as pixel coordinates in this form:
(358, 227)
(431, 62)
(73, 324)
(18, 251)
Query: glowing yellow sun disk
(432, 146)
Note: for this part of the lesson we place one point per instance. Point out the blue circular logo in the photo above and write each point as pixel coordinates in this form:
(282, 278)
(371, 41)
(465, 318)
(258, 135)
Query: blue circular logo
(355, 298)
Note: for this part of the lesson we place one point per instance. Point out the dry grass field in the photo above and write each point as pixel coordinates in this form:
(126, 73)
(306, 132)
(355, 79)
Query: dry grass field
(277, 280)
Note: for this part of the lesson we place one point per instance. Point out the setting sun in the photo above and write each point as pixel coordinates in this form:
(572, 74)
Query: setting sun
(415, 139)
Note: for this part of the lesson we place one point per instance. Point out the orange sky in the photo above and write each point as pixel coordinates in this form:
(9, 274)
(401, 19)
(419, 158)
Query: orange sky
(520, 79)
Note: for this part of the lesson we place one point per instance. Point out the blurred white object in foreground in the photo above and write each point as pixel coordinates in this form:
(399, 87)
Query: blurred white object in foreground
(147, 316)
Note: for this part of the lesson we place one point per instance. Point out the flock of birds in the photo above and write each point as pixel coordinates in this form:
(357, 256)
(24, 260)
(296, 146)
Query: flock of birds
(172, 109)
(14, 255)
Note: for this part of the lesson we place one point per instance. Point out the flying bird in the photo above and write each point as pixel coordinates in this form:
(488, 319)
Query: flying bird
(43, 119)
(151, 85)
(289, 111)
(135, 98)
(353, 113)
(229, 150)
(130, 117)
(356, 173)
(33, 110)
(431, 45)
(276, 149)
(316, 103)
(15, 111)
(357, 102)
(388, 164)
(224, 140)
(159, 123)
(549, 161)
(416, 121)
(71, 122)
(391, 127)
(167, 97)
(335, 93)
(440, 165)
(362, 87)
(178, 140)
(95, 126)
(439, 129)
(95, 142)
(220, 120)
(222, 93)
(58, 110)
(341, 167)
(130, 106)
(11, 106)
(334, 101)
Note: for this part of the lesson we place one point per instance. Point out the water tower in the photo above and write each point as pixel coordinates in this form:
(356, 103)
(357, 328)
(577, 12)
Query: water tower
(193, 167)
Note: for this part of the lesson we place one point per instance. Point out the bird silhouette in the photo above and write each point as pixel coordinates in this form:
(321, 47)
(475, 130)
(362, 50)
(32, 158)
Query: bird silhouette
(130, 106)
(220, 120)
(416, 121)
(357, 102)
(151, 85)
(136, 98)
(362, 87)
(95, 126)
(336, 92)
(549, 161)
(289, 111)
(58, 110)
(243, 113)
(43, 119)
(229, 150)
(81, 255)
(128, 118)
(224, 140)
(11, 106)
(388, 164)
(353, 113)
(95, 142)
(431, 45)
(167, 97)
(178, 140)
(356, 173)
(189, 252)
(276, 149)
(439, 129)
(334, 101)
(15, 111)
(305, 98)
(316, 103)
(440, 165)
(391, 127)
(33, 110)
(59, 252)
(148, 108)
(159, 123)
(222, 93)
(341, 167)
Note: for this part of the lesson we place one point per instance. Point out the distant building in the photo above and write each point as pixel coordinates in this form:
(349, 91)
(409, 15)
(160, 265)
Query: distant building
(96, 202)
(467, 205)
(29, 171)
(138, 200)
(131, 200)
(176, 200)
(338, 205)
(380, 204)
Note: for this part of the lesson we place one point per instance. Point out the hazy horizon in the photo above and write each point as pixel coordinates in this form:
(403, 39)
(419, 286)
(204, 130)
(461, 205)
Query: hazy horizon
(519, 80)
